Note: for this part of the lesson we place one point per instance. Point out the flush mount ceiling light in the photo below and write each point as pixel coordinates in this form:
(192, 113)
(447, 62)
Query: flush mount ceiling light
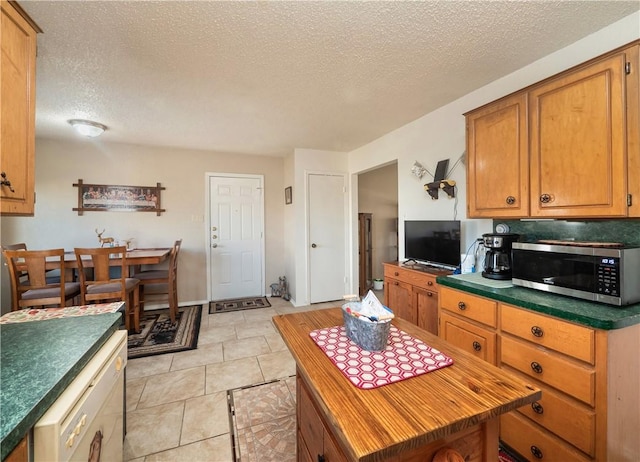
(87, 127)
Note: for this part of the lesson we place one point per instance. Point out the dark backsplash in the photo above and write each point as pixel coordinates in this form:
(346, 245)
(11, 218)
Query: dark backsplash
(626, 231)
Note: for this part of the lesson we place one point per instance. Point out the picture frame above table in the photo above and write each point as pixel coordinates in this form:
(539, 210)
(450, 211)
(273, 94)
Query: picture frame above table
(118, 198)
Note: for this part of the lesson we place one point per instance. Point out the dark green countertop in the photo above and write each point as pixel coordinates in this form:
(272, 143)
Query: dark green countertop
(591, 314)
(37, 361)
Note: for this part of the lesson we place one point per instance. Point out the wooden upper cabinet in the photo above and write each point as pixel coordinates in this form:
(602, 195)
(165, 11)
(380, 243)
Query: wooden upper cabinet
(578, 143)
(566, 147)
(17, 116)
(497, 159)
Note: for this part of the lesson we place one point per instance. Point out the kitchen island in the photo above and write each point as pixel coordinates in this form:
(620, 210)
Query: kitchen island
(454, 407)
(38, 360)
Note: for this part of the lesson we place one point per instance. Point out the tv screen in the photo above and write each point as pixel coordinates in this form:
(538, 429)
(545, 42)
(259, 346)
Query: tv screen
(433, 242)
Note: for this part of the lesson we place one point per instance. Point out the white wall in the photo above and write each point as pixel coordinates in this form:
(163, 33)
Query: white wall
(60, 164)
(441, 133)
(309, 161)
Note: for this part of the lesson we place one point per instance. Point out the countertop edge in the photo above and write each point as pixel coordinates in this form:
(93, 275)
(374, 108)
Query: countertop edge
(13, 437)
(530, 299)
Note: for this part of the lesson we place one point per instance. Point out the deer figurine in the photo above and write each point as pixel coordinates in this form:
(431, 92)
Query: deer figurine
(103, 240)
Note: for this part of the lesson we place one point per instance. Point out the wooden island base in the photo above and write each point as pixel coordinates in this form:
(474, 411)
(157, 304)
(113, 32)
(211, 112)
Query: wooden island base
(407, 421)
(316, 440)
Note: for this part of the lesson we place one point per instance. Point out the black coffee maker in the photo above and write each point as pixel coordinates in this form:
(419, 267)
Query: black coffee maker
(497, 260)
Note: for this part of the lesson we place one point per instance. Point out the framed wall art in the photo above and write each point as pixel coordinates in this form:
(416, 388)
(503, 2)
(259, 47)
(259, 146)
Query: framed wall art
(117, 198)
(288, 195)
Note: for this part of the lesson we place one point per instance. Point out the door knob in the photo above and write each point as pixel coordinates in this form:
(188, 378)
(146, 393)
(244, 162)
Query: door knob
(213, 228)
(313, 246)
(215, 236)
(214, 245)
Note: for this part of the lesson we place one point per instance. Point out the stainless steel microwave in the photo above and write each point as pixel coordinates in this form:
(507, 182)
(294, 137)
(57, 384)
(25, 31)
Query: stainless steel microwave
(600, 274)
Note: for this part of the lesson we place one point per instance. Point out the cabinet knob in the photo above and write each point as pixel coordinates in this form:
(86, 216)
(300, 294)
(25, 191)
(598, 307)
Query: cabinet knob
(396, 274)
(536, 367)
(537, 407)
(321, 458)
(395, 283)
(429, 283)
(545, 198)
(537, 331)
(510, 200)
(537, 453)
(429, 294)
(462, 306)
(477, 346)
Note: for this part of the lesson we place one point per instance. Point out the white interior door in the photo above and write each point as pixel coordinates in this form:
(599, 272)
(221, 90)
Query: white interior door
(236, 237)
(327, 237)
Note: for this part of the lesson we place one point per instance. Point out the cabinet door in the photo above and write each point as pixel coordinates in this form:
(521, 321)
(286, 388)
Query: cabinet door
(578, 156)
(400, 299)
(497, 159)
(426, 303)
(17, 118)
(310, 426)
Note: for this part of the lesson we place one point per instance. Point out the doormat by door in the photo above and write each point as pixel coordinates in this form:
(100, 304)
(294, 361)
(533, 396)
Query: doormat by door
(158, 335)
(238, 304)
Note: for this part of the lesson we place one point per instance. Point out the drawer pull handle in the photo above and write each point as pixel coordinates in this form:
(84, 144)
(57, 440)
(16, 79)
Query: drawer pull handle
(537, 407)
(537, 453)
(462, 306)
(537, 368)
(477, 346)
(537, 331)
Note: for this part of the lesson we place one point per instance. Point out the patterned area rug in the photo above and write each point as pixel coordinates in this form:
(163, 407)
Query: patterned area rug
(263, 421)
(158, 335)
(238, 304)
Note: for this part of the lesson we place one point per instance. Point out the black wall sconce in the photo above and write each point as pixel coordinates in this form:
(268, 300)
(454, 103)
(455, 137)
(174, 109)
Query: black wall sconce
(448, 186)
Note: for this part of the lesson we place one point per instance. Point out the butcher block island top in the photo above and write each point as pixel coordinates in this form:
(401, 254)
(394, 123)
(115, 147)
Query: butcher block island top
(456, 406)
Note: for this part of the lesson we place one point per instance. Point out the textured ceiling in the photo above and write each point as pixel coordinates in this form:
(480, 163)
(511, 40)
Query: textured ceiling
(270, 76)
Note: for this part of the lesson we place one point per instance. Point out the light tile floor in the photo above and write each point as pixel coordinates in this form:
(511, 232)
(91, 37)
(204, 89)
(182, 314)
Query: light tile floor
(177, 403)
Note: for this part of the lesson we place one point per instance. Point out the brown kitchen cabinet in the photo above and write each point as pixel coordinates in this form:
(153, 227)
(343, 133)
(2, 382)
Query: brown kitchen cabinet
(469, 322)
(498, 159)
(566, 147)
(412, 293)
(21, 452)
(589, 387)
(17, 118)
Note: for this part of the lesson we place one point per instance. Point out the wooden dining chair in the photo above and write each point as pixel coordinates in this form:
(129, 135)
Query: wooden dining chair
(97, 284)
(29, 284)
(166, 280)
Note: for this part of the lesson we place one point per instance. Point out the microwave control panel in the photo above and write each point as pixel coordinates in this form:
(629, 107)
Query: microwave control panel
(608, 276)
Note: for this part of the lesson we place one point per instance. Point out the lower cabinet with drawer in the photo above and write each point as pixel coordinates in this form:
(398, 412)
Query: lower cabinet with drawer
(469, 322)
(590, 378)
(412, 294)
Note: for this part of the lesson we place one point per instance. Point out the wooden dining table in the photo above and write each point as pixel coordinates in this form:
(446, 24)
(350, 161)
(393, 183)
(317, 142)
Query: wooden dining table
(134, 259)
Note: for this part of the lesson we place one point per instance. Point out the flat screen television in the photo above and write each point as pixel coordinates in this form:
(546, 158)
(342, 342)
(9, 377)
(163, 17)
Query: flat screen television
(433, 242)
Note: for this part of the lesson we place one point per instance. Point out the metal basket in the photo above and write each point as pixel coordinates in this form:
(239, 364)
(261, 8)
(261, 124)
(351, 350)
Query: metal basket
(370, 336)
